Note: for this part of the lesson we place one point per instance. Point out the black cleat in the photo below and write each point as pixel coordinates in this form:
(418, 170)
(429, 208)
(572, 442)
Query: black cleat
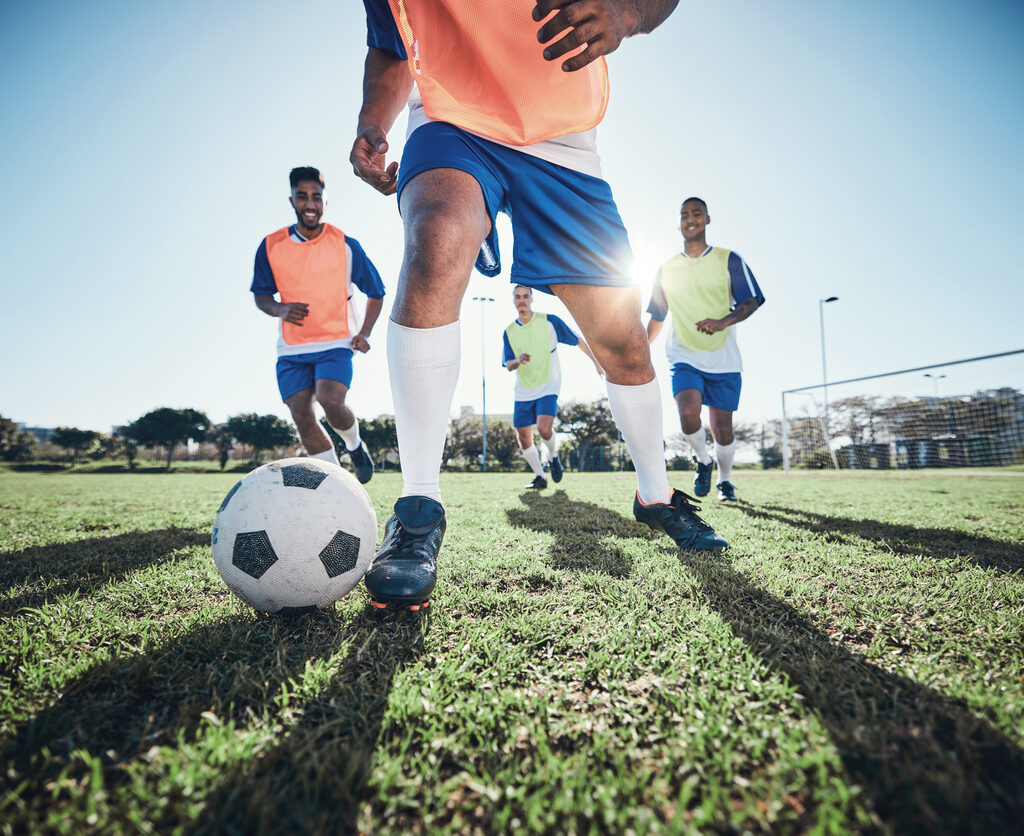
(538, 484)
(702, 482)
(678, 519)
(556, 470)
(336, 440)
(362, 464)
(726, 492)
(404, 570)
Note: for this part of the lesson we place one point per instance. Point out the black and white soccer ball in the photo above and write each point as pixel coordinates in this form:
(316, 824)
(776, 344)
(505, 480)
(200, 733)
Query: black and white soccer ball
(294, 534)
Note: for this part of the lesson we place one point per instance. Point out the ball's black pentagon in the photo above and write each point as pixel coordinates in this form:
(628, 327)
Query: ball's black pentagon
(302, 476)
(253, 553)
(227, 498)
(341, 554)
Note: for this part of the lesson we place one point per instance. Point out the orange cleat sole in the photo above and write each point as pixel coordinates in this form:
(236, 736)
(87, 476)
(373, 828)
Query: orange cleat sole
(383, 605)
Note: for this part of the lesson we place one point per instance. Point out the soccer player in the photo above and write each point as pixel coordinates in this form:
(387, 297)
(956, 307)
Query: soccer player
(502, 119)
(531, 350)
(707, 290)
(313, 267)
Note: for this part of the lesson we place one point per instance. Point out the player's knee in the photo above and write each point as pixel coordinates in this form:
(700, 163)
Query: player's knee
(626, 355)
(438, 235)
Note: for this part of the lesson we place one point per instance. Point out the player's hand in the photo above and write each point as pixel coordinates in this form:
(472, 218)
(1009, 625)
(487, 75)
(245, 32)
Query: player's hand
(523, 358)
(710, 326)
(360, 343)
(369, 161)
(600, 24)
(294, 312)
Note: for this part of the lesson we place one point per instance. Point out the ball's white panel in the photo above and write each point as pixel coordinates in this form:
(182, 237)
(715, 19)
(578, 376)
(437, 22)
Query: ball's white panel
(300, 519)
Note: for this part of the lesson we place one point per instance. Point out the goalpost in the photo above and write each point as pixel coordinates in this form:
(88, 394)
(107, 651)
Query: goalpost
(962, 413)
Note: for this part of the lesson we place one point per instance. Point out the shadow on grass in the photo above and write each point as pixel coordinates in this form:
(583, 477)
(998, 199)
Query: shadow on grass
(314, 779)
(582, 532)
(235, 671)
(926, 763)
(941, 543)
(83, 565)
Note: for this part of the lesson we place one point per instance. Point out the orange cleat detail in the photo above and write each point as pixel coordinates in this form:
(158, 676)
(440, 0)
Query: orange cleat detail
(378, 605)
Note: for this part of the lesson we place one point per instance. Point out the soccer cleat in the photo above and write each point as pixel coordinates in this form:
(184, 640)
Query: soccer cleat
(678, 519)
(726, 492)
(556, 469)
(538, 484)
(702, 482)
(336, 440)
(404, 569)
(362, 464)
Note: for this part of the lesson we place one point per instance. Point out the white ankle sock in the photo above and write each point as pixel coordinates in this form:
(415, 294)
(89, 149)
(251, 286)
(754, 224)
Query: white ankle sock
(532, 456)
(327, 455)
(551, 444)
(698, 441)
(424, 368)
(725, 453)
(349, 436)
(637, 412)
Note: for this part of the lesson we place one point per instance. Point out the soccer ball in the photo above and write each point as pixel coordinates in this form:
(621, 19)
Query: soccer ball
(293, 535)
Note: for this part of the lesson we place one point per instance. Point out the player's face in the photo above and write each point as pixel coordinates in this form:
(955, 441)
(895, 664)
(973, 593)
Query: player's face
(522, 298)
(308, 202)
(693, 220)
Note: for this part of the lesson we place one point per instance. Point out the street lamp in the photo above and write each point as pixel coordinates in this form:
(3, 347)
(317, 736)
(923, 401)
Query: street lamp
(935, 378)
(824, 370)
(483, 378)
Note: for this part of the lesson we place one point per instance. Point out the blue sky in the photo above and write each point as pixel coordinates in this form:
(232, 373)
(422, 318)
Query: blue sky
(866, 150)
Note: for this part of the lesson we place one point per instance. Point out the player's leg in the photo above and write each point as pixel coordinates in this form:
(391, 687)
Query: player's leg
(524, 421)
(688, 389)
(340, 422)
(295, 382)
(445, 219)
(313, 438)
(546, 431)
(723, 396)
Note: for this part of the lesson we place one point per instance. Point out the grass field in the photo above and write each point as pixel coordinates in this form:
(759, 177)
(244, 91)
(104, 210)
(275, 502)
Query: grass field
(854, 663)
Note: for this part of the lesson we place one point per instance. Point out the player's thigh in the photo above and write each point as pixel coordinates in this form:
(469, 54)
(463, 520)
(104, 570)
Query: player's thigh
(524, 435)
(300, 404)
(331, 393)
(688, 403)
(610, 320)
(545, 425)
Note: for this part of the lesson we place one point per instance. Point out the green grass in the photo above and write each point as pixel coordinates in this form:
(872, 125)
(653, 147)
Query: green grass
(855, 663)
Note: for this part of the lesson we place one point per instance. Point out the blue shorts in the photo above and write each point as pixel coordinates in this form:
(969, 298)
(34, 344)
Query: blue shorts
(722, 391)
(296, 372)
(525, 413)
(566, 227)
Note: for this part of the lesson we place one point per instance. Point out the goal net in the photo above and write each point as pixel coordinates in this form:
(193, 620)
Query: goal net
(967, 413)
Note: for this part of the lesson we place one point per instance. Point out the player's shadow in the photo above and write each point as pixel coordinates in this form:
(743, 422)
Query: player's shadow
(585, 533)
(941, 543)
(317, 773)
(233, 671)
(925, 761)
(83, 565)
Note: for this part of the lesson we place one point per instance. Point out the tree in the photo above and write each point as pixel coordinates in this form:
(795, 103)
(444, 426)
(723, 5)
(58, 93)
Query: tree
(15, 445)
(224, 441)
(168, 428)
(261, 432)
(380, 436)
(502, 443)
(74, 440)
(129, 445)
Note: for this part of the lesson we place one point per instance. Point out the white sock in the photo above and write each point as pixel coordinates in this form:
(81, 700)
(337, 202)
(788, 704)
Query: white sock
(637, 412)
(725, 453)
(349, 436)
(532, 456)
(327, 455)
(551, 444)
(424, 368)
(698, 441)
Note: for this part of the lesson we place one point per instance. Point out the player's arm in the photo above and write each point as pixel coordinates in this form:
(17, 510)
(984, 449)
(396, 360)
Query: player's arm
(361, 341)
(744, 287)
(657, 308)
(293, 312)
(511, 361)
(386, 88)
(600, 24)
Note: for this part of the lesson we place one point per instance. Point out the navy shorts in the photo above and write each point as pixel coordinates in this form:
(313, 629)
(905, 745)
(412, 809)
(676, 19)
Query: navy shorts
(722, 391)
(296, 372)
(566, 227)
(525, 413)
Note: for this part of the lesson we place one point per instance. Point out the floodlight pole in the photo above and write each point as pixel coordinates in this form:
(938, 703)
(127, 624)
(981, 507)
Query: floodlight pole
(483, 379)
(935, 378)
(824, 373)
